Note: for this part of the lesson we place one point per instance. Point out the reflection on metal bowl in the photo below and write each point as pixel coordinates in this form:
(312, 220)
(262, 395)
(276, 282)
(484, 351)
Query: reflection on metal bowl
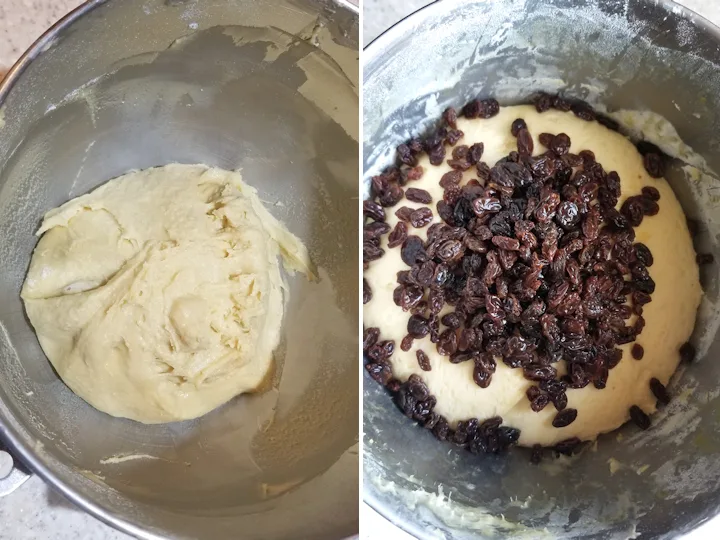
(624, 55)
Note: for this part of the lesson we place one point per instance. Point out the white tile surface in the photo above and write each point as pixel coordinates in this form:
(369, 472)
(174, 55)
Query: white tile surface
(380, 15)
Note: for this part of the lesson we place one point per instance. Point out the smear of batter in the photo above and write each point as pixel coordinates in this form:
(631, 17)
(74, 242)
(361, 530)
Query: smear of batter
(158, 296)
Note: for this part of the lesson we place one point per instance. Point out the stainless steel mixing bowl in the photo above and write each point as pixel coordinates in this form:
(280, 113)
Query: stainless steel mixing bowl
(266, 86)
(625, 54)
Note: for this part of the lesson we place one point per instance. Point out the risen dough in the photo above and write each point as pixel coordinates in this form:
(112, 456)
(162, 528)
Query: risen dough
(670, 316)
(158, 296)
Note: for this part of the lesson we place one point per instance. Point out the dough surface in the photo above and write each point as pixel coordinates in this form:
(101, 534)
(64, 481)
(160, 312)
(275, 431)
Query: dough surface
(670, 317)
(158, 296)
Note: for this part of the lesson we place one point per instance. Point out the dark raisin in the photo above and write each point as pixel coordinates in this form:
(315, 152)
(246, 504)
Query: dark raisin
(423, 360)
(561, 104)
(406, 343)
(637, 351)
(564, 418)
(445, 211)
(643, 254)
(483, 170)
(583, 111)
(516, 126)
(370, 337)
(414, 173)
(560, 401)
(632, 210)
(539, 402)
(451, 320)
(418, 326)
(475, 153)
(687, 353)
(375, 230)
(379, 372)
(371, 252)
(373, 210)
(398, 235)
(525, 142)
(482, 377)
(506, 243)
(453, 136)
(651, 193)
(421, 217)
(654, 164)
(406, 156)
(447, 344)
(418, 195)
(367, 292)
(537, 454)
(638, 416)
(560, 144)
(436, 155)
(381, 351)
(488, 108)
(450, 179)
(568, 214)
(659, 391)
(450, 117)
(536, 372)
(404, 213)
(543, 103)
(413, 250)
(546, 139)
(650, 207)
(568, 447)
(391, 196)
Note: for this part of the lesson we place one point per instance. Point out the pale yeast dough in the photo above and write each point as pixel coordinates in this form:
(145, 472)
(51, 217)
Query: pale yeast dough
(158, 296)
(670, 316)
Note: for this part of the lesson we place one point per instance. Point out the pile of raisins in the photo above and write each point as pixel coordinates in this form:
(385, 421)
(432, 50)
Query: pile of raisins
(536, 262)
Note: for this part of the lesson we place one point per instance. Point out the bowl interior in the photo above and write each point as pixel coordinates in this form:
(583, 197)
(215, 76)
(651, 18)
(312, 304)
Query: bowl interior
(624, 54)
(266, 87)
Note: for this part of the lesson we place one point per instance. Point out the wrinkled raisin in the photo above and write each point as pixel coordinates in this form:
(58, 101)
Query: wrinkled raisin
(418, 327)
(654, 164)
(643, 254)
(525, 142)
(637, 351)
(418, 195)
(421, 217)
(543, 103)
(398, 235)
(367, 292)
(370, 337)
(638, 416)
(373, 210)
(651, 193)
(413, 250)
(423, 360)
(564, 418)
(659, 391)
(450, 117)
(687, 353)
